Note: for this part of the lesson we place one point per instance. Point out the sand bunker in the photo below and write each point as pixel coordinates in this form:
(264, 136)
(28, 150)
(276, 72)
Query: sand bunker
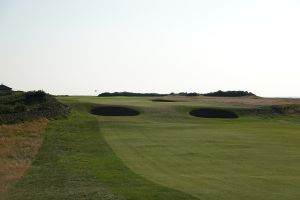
(213, 113)
(114, 111)
(163, 100)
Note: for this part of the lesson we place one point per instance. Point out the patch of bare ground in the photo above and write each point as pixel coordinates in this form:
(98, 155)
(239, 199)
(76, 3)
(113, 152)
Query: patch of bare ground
(19, 143)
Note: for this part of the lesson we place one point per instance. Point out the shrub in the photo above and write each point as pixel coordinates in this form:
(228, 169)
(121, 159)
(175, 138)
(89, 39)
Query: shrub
(20, 106)
(35, 97)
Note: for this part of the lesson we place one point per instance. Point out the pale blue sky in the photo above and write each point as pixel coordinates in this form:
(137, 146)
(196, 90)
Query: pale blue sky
(75, 47)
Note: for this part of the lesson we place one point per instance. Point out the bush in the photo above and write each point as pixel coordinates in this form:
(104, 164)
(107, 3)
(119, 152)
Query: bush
(35, 97)
(20, 106)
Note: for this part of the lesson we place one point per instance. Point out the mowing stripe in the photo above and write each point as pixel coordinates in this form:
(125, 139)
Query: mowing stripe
(75, 162)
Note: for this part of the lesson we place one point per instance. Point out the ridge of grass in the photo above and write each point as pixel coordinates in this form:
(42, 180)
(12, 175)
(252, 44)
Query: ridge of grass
(75, 162)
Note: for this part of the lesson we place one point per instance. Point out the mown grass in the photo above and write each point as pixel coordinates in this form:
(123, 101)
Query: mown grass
(164, 153)
(75, 162)
(252, 157)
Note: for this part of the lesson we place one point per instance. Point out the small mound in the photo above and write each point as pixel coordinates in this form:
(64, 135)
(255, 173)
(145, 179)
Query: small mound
(213, 113)
(114, 111)
(163, 100)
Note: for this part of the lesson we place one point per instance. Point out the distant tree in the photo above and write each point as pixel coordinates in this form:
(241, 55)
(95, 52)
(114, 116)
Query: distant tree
(132, 94)
(221, 93)
(192, 94)
(129, 94)
(187, 94)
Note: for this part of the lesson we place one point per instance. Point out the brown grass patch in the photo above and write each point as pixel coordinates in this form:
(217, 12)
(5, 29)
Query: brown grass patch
(19, 143)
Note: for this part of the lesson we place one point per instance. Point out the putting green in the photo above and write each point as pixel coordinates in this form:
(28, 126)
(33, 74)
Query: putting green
(246, 158)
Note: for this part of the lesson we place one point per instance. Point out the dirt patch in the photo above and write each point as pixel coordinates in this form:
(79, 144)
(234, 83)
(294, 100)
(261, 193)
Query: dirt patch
(163, 100)
(213, 113)
(19, 143)
(114, 111)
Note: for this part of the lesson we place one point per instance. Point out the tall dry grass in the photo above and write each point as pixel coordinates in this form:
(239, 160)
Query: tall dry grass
(19, 143)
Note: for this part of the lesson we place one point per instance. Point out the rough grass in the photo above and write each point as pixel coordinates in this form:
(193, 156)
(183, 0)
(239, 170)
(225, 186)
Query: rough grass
(19, 143)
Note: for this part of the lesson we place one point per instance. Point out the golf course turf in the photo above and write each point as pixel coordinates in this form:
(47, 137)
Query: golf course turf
(165, 153)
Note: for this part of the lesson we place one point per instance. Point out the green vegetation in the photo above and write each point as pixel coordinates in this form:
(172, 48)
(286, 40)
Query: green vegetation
(165, 153)
(129, 94)
(213, 94)
(21, 106)
(75, 162)
(229, 94)
(133, 94)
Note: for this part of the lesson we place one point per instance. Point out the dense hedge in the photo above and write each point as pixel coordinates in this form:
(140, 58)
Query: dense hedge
(229, 94)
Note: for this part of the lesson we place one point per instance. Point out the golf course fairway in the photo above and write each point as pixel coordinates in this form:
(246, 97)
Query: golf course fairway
(165, 153)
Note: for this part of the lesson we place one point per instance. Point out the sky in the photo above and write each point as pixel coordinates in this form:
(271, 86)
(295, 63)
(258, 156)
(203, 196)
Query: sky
(84, 47)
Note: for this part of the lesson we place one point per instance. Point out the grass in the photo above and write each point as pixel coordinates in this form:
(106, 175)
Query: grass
(75, 162)
(19, 143)
(164, 153)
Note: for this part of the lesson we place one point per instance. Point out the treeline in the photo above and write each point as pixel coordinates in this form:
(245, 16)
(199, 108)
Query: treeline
(129, 94)
(221, 93)
(133, 94)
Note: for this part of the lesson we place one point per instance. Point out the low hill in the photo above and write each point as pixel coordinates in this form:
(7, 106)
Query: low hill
(22, 106)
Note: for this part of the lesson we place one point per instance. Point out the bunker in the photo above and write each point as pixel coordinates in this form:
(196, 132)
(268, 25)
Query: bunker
(213, 113)
(114, 111)
(163, 100)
